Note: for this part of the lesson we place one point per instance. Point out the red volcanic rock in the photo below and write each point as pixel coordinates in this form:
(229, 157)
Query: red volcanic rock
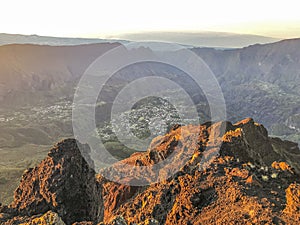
(249, 141)
(220, 173)
(233, 184)
(293, 198)
(115, 194)
(64, 183)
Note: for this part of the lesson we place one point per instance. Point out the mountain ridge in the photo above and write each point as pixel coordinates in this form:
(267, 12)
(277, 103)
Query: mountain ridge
(269, 71)
(253, 189)
(6, 39)
(198, 39)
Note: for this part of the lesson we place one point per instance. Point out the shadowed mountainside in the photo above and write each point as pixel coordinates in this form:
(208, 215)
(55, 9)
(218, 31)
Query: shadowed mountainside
(32, 72)
(261, 81)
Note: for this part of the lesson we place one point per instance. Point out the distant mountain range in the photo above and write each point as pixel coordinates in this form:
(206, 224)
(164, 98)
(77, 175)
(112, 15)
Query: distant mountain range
(260, 81)
(6, 39)
(200, 39)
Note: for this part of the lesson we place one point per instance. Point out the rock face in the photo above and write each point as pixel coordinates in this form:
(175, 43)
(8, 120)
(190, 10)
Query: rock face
(293, 198)
(260, 81)
(250, 142)
(249, 179)
(115, 195)
(48, 218)
(235, 184)
(63, 183)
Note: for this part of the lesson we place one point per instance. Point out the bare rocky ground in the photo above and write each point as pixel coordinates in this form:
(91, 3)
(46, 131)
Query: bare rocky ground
(250, 179)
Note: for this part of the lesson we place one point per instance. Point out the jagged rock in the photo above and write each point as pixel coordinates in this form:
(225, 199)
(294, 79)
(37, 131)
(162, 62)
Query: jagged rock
(49, 218)
(227, 178)
(249, 141)
(115, 194)
(227, 186)
(84, 223)
(293, 198)
(149, 222)
(291, 213)
(62, 182)
(282, 166)
(118, 220)
(288, 151)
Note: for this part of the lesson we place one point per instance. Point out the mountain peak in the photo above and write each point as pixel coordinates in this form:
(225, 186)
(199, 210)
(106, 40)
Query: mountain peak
(63, 182)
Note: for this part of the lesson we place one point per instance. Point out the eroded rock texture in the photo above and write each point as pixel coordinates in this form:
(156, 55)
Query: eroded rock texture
(64, 183)
(220, 173)
(233, 184)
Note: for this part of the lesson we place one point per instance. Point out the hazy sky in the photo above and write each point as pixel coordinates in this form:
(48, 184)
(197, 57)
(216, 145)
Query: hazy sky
(98, 18)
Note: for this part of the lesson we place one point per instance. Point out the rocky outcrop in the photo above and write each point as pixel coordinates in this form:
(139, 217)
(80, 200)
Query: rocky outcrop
(249, 141)
(63, 183)
(293, 198)
(49, 218)
(239, 176)
(227, 192)
(115, 195)
(235, 184)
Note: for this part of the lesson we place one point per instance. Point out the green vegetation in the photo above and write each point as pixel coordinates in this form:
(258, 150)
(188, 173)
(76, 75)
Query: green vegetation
(16, 161)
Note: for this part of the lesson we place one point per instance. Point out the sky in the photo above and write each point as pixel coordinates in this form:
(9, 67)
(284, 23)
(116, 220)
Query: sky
(107, 18)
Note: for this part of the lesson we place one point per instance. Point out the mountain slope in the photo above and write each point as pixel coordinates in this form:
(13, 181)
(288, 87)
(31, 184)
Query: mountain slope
(26, 69)
(261, 81)
(240, 184)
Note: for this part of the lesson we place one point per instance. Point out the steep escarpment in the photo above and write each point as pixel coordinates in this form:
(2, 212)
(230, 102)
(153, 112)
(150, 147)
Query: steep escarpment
(220, 173)
(260, 81)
